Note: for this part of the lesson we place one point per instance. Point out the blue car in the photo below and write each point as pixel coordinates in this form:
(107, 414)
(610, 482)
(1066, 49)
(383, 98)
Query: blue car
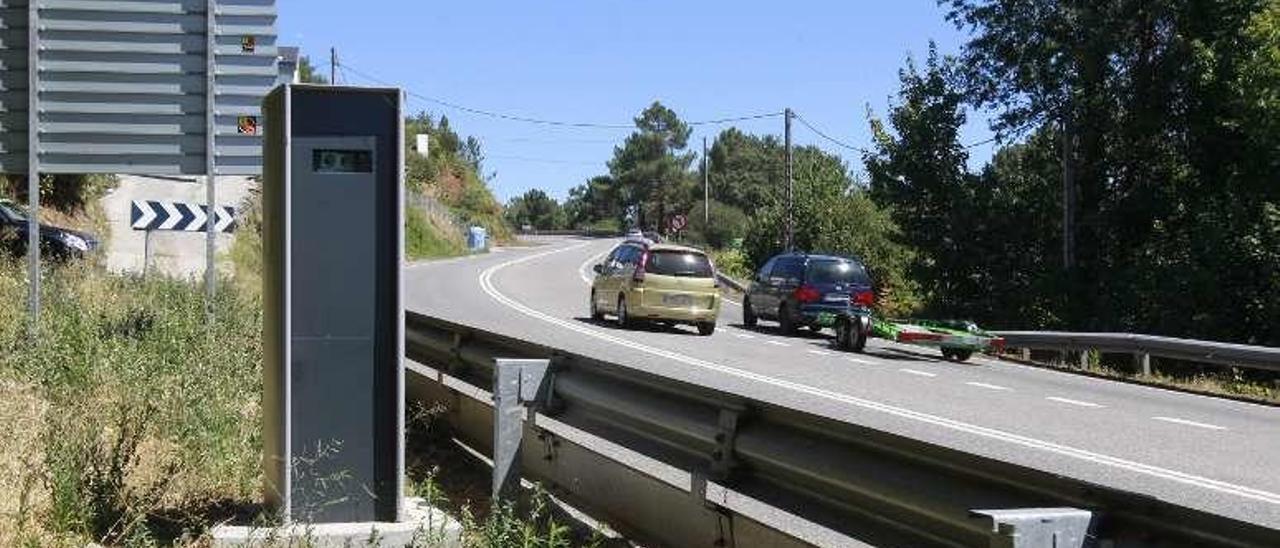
(800, 289)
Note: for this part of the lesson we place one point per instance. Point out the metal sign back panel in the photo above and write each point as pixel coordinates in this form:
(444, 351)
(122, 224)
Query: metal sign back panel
(123, 85)
(13, 86)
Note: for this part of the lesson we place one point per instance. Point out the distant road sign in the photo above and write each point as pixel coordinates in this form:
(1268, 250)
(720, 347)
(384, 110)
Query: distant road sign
(679, 222)
(123, 85)
(177, 216)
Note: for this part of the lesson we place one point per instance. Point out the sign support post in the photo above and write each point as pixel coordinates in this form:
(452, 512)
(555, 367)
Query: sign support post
(210, 157)
(33, 165)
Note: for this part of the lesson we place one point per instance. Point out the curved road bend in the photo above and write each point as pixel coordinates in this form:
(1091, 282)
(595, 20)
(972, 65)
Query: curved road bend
(1207, 453)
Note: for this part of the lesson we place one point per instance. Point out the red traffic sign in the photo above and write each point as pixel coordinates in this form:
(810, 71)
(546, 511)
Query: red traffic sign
(679, 222)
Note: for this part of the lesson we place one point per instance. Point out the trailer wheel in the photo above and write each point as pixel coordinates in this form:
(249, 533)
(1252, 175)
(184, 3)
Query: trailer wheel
(859, 339)
(956, 354)
(844, 335)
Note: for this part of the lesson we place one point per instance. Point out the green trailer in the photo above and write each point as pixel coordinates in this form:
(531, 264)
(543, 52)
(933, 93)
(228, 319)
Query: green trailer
(958, 339)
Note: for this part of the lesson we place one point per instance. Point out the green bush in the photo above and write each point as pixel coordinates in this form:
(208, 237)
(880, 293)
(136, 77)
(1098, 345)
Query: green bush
(727, 224)
(733, 263)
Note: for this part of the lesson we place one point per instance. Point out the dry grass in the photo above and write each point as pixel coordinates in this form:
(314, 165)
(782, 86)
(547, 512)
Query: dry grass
(1210, 380)
(130, 420)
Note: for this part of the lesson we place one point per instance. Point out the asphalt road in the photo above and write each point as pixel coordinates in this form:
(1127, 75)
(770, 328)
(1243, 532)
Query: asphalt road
(1207, 453)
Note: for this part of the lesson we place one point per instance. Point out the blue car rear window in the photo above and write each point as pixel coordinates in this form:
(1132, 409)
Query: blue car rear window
(831, 271)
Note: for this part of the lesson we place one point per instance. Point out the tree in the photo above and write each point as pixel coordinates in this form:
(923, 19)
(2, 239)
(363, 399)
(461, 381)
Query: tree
(593, 202)
(746, 170)
(1171, 109)
(649, 169)
(834, 215)
(919, 171)
(727, 224)
(307, 72)
(534, 208)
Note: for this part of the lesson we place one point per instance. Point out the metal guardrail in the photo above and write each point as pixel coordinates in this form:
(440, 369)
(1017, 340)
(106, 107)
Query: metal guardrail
(1145, 346)
(732, 283)
(671, 463)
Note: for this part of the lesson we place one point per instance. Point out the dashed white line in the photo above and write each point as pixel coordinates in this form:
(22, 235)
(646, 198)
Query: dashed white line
(1190, 423)
(988, 386)
(920, 373)
(1070, 401)
(858, 360)
(776, 343)
(819, 353)
(744, 336)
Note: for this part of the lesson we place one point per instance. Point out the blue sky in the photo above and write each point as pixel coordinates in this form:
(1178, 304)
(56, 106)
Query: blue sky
(604, 61)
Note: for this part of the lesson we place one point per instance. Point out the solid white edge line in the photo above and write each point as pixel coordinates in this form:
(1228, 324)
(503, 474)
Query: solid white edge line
(1190, 423)
(486, 284)
(1079, 403)
(919, 373)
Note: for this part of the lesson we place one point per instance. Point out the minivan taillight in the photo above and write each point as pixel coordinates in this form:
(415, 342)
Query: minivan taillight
(638, 276)
(863, 298)
(807, 294)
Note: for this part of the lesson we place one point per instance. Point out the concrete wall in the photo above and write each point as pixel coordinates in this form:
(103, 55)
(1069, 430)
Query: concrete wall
(178, 254)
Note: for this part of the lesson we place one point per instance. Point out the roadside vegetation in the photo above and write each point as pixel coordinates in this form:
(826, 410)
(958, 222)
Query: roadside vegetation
(1165, 115)
(129, 421)
(1237, 383)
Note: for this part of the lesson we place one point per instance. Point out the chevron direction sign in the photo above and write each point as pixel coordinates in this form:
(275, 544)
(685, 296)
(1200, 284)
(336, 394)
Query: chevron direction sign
(152, 215)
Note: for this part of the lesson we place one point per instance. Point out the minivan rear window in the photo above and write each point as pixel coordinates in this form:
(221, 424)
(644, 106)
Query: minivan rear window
(830, 271)
(679, 263)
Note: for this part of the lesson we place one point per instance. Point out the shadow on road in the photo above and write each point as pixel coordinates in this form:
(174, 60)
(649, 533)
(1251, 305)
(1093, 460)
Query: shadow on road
(803, 333)
(644, 326)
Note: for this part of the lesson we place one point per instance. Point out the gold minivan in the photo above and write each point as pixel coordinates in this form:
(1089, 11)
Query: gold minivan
(657, 282)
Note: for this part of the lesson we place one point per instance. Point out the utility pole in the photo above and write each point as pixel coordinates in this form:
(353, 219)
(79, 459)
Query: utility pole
(1068, 194)
(333, 66)
(791, 228)
(706, 189)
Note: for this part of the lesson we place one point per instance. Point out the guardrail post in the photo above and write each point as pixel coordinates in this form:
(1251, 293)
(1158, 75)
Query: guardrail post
(1037, 527)
(722, 458)
(1084, 359)
(516, 383)
(1144, 362)
(1026, 354)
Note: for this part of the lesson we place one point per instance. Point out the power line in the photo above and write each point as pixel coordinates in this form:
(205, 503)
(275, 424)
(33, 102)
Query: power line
(541, 160)
(827, 137)
(542, 121)
(481, 112)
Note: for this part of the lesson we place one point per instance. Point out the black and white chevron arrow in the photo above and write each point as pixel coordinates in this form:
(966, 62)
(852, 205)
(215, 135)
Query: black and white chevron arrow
(152, 215)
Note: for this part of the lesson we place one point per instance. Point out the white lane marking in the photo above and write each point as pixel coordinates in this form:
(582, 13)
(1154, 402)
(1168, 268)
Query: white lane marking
(1079, 403)
(486, 284)
(920, 373)
(988, 386)
(582, 268)
(1190, 423)
(776, 343)
(744, 336)
(819, 353)
(859, 360)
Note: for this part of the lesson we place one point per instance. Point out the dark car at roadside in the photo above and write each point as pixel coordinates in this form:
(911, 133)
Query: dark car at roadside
(55, 242)
(810, 290)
